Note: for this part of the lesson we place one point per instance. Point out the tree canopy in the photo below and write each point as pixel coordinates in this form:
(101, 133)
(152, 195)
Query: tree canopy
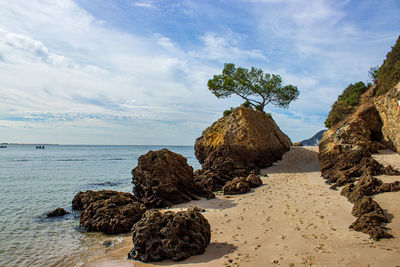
(254, 86)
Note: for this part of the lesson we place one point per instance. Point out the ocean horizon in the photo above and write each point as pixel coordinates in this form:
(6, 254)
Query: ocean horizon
(36, 181)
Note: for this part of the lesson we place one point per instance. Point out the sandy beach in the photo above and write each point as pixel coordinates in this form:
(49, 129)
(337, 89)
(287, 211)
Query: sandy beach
(294, 219)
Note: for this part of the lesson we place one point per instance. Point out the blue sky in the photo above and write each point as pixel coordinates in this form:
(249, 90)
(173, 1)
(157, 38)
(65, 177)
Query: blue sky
(136, 72)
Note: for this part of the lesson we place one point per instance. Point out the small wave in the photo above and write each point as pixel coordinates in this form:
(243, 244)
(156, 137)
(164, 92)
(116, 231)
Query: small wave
(115, 159)
(71, 160)
(19, 160)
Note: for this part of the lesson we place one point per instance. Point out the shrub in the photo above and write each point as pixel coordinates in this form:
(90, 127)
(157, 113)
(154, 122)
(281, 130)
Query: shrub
(345, 102)
(338, 112)
(351, 95)
(389, 72)
(246, 104)
(227, 112)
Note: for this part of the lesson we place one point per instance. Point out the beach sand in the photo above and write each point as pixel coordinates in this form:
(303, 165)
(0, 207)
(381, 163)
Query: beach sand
(294, 219)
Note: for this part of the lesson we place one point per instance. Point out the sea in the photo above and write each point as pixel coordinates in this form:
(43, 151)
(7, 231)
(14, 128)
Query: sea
(36, 181)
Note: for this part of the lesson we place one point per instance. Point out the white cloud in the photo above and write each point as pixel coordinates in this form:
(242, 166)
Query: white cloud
(142, 4)
(60, 67)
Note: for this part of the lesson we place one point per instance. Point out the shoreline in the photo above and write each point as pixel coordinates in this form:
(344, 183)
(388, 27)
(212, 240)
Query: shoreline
(293, 219)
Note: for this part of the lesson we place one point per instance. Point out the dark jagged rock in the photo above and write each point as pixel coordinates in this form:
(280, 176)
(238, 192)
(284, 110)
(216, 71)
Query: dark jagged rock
(297, 144)
(254, 180)
(366, 205)
(57, 213)
(370, 223)
(177, 236)
(83, 199)
(163, 178)
(366, 186)
(244, 141)
(239, 185)
(388, 187)
(114, 215)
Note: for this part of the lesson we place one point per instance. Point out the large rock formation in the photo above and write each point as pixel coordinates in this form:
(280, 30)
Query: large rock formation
(170, 235)
(345, 157)
(345, 151)
(237, 144)
(389, 112)
(108, 211)
(163, 178)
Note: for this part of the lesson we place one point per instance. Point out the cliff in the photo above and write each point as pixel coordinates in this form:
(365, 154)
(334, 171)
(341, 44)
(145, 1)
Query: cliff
(389, 112)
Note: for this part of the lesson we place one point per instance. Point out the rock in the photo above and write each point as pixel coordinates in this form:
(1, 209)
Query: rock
(83, 199)
(237, 144)
(389, 112)
(254, 180)
(366, 186)
(366, 205)
(170, 235)
(297, 144)
(237, 186)
(370, 223)
(388, 187)
(345, 151)
(113, 215)
(57, 213)
(163, 178)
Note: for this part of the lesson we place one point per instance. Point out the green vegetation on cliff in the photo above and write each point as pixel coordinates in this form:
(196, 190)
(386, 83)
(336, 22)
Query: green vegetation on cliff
(389, 72)
(345, 103)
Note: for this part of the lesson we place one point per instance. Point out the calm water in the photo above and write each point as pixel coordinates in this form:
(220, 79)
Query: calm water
(35, 181)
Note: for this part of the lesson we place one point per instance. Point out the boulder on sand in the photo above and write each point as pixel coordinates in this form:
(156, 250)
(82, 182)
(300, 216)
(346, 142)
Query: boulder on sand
(254, 180)
(239, 185)
(163, 178)
(244, 141)
(170, 235)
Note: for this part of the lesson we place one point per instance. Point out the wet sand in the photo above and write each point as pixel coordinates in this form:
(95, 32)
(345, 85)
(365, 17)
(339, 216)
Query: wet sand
(294, 219)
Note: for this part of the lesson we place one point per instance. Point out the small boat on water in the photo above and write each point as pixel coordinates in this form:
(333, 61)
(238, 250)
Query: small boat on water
(3, 146)
(39, 147)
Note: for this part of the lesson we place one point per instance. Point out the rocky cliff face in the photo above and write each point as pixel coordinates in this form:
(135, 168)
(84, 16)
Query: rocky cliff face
(389, 112)
(345, 151)
(237, 144)
(345, 157)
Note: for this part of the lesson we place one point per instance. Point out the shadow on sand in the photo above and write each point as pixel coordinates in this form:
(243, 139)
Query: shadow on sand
(215, 250)
(306, 160)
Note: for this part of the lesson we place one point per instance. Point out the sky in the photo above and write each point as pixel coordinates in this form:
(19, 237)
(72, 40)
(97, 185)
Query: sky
(133, 72)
